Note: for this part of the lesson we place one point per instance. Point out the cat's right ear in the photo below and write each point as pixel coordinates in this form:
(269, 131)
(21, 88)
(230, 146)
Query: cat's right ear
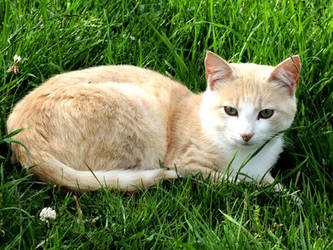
(217, 70)
(287, 73)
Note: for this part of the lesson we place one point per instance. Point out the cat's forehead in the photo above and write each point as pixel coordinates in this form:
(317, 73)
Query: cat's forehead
(250, 86)
(252, 90)
(251, 71)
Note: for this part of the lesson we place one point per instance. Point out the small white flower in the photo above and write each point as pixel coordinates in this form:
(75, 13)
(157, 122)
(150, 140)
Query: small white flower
(132, 38)
(17, 59)
(47, 214)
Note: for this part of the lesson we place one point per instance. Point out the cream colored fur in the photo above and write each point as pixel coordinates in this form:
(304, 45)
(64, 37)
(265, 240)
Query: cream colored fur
(123, 121)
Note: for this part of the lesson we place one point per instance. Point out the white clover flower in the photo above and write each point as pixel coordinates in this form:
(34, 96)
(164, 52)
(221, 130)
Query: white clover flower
(15, 67)
(17, 59)
(47, 214)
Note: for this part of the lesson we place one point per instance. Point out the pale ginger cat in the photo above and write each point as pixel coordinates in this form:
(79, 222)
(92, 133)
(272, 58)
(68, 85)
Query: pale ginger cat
(123, 121)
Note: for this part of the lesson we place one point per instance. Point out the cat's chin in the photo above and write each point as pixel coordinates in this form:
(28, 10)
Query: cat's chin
(246, 145)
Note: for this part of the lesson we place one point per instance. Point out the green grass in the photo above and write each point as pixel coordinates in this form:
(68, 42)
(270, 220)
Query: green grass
(172, 38)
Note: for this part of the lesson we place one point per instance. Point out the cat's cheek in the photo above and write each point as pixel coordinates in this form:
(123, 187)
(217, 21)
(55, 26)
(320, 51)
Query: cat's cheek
(277, 123)
(286, 122)
(233, 130)
(266, 129)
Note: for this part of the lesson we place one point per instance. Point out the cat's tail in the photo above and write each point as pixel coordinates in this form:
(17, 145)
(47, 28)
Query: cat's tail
(82, 180)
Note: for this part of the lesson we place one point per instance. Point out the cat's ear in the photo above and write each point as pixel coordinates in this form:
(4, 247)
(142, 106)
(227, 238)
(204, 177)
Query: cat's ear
(217, 70)
(287, 73)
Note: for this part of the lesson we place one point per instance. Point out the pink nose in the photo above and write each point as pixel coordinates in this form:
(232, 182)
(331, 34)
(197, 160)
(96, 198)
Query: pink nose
(246, 137)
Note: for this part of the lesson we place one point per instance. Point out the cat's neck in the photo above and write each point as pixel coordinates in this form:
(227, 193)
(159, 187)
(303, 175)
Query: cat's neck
(185, 121)
(186, 132)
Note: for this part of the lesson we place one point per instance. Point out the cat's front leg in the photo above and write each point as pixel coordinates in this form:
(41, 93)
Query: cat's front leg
(268, 180)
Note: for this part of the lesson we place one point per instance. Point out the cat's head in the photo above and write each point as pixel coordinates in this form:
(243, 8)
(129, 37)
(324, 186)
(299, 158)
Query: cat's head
(247, 104)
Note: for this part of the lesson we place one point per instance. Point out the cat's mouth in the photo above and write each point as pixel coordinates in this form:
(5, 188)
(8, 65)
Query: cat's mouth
(247, 144)
(242, 144)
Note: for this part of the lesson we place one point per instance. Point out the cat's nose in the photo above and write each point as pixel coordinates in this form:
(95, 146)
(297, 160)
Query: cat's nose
(246, 137)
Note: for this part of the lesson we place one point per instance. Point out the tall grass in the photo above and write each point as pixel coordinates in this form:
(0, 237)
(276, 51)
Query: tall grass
(172, 37)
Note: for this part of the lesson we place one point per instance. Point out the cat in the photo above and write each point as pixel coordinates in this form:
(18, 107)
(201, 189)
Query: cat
(116, 125)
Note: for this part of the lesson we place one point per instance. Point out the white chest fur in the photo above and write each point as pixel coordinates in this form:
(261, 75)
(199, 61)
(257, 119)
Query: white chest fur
(259, 165)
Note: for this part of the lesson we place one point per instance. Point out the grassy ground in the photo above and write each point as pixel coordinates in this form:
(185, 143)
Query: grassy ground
(172, 37)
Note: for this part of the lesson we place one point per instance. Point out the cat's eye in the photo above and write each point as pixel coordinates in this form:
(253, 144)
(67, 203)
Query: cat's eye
(265, 113)
(230, 111)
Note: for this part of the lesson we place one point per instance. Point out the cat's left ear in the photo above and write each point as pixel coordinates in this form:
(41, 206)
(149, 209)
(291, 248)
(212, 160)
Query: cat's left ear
(287, 73)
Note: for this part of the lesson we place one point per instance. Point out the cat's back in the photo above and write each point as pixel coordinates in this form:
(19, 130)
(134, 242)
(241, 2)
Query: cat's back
(115, 73)
(126, 79)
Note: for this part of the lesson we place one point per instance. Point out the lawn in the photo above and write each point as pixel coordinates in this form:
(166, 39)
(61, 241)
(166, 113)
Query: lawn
(172, 37)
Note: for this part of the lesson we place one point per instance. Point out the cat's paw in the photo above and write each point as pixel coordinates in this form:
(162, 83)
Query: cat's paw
(295, 198)
(293, 195)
